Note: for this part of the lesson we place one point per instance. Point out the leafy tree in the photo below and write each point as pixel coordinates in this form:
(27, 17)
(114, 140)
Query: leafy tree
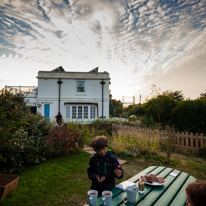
(118, 107)
(161, 108)
(203, 95)
(138, 110)
(189, 115)
(177, 95)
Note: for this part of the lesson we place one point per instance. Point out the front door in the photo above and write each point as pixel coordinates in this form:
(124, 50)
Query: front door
(46, 111)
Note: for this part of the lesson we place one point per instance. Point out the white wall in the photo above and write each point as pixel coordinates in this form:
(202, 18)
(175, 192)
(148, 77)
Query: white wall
(48, 93)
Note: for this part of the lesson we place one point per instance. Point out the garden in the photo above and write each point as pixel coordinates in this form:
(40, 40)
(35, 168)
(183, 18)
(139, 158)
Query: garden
(51, 162)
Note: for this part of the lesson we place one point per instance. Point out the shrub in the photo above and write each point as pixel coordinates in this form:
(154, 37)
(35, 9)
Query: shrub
(202, 151)
(114, 120)
(190, 116)
(22, 135)
(69, 137)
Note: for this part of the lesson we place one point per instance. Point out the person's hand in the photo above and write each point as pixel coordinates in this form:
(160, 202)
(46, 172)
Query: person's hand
(101, 179)
(117, 172)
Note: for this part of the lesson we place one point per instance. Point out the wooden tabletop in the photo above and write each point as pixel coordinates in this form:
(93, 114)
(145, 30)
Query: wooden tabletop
(171, 193)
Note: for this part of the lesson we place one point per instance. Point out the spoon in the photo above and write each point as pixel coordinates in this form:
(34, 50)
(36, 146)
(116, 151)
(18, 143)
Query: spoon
(125, 201)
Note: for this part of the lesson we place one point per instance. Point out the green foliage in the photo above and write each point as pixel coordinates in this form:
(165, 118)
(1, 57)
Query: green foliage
(137, 110)
(161, 108)
(114, 120)
(202, 151)
(160, 160)
(189, 115)
(148, 121)
(118, 108)
(63, 139)
(177, 95)
(22, 135)
(203, 95)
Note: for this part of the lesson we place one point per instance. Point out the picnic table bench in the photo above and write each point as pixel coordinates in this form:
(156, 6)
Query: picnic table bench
(171, 193)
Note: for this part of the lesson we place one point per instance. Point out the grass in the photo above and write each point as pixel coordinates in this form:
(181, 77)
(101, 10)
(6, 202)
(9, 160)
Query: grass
(59, 181)
(64, 180)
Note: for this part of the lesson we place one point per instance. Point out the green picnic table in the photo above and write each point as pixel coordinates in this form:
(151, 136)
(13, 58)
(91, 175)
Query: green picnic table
(171, 193)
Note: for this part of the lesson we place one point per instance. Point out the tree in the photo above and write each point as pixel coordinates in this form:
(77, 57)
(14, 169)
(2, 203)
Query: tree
(157, 103)
(118, 107)
(189, 115)
(203, 95)
(177, 95)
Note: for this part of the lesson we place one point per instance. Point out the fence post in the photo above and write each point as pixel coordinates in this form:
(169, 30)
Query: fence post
(182, 142)
(178, 141)
(187, 143)
(196, 142)
(191, 142)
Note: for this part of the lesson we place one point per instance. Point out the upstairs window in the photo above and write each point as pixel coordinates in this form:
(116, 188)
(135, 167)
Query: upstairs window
(80, 86)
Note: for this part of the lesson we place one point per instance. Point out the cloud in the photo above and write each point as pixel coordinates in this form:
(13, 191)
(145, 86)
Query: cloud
(146, 39)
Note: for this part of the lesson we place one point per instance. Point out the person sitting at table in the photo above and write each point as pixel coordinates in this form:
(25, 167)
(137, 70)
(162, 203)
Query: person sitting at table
(103, 166)
(196, 194)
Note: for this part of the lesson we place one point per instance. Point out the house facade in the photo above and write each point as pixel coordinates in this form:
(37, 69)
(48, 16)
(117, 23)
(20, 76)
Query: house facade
(78, 96)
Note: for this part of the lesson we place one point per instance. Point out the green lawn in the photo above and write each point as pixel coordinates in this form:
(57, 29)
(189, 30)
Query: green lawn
(59, 181)
(64, 181)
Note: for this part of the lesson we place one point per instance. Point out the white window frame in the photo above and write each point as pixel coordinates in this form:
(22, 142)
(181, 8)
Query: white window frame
(92, 112)
(81, 111)
(68, 112)
(84, 86)
(74, 113)
(86, 112)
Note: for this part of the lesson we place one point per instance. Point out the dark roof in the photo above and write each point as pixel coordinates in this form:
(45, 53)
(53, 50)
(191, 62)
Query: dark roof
(58, 69)
(94, 70)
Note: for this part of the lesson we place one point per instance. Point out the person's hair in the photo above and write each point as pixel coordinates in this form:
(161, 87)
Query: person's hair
(99, 142)
(196, 193)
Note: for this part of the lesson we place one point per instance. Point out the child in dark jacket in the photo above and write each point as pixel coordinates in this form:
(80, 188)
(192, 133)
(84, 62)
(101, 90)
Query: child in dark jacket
(103, 166)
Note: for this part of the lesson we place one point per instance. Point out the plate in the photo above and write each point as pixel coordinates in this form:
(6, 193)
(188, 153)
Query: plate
(154, 183)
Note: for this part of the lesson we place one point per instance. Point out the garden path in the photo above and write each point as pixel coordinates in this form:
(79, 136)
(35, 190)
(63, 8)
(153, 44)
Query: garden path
(91, 151)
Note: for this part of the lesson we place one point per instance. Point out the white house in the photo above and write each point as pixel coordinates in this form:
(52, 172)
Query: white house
(82, 96)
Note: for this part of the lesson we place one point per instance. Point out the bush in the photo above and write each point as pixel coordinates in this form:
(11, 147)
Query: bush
(190, 116)
(27, 145)
(69, 137)
(22, 135)
(202, 151)
(114, 120)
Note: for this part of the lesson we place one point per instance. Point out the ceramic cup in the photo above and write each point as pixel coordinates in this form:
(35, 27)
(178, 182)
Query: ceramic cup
(107, 198)
(131, 194)
(92, 197)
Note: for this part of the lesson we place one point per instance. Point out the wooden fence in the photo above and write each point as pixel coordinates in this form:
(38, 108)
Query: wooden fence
(184, 143)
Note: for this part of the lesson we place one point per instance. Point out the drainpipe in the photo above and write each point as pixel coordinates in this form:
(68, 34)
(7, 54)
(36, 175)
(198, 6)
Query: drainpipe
(59, 82)
(102, 83)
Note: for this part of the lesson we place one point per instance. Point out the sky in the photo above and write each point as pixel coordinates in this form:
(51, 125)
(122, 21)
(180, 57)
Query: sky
(139, 42)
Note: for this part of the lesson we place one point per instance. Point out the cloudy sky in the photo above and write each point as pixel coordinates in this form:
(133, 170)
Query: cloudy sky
(139, 42)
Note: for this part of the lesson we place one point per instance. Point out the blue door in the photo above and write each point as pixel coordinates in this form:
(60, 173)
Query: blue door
(46, 111)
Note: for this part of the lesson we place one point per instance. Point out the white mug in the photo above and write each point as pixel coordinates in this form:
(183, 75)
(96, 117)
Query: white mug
(92, 197)
(107, 198)
(131, 194)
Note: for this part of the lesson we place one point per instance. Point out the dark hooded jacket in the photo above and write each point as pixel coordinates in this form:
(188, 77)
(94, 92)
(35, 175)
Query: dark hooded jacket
(103, 166)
